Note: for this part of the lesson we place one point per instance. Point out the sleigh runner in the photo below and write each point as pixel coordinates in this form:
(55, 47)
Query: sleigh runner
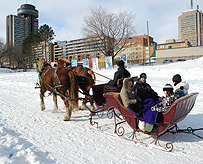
(167, 121)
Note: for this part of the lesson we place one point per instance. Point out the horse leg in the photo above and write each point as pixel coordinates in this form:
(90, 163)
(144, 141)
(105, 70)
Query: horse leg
(55, 110)
(42, 105)
(83, 106)
(92, 105)
(69, 109)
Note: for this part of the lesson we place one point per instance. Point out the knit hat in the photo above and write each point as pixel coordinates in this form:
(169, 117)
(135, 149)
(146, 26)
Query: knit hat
(120, 63)
(168, 87)
(177, 79)
(143, 75)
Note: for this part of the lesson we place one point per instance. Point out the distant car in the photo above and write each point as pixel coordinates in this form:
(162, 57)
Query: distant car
(180, 60)
(167, 61)
(152, 60)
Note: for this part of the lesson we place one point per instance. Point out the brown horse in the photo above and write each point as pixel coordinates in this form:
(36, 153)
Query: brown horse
(86, 78)
(60, 81)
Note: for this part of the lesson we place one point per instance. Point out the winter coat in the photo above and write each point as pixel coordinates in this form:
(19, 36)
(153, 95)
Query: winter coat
(182, 88)
(165, 103)
(121, 73)
(144, 91)
(127, 93)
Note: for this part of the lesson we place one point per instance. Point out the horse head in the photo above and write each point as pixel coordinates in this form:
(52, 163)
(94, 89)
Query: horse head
(40, 63)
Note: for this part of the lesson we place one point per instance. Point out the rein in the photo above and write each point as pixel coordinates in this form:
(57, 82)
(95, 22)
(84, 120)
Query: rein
(102, 76)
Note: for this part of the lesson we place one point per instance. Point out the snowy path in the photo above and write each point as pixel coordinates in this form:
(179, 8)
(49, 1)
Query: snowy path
(28, 135)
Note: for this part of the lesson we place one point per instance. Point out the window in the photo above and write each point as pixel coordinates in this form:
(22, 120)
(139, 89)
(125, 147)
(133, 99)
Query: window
(138, 41)
(138, 45)
(161, 46)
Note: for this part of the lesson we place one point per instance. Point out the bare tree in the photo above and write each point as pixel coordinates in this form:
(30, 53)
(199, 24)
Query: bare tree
(2, 52)
(110, 28)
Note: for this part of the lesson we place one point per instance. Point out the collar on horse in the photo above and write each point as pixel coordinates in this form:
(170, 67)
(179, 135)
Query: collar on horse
(43, 67)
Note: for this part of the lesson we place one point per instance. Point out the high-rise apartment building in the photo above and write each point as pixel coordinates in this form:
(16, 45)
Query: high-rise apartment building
(20, 26)
(136, 49)
(190, 27)
(89, 47)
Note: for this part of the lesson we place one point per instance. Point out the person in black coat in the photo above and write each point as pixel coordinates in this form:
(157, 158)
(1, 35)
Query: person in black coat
(143, 90)
(122, 73)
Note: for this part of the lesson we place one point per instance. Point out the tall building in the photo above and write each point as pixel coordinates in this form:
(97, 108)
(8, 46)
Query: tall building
(190, 26)
(20, 26)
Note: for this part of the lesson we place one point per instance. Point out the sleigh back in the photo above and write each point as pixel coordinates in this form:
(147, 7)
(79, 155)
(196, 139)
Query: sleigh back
(176, 112)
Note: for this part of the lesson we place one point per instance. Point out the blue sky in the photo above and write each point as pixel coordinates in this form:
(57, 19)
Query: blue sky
(66, 16)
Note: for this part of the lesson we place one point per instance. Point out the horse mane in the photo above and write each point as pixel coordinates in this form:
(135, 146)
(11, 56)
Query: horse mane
(92, 74)
(43, 67)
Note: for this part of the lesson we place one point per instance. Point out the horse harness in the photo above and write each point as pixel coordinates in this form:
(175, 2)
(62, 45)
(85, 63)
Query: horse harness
(81, 77)
(55, 76)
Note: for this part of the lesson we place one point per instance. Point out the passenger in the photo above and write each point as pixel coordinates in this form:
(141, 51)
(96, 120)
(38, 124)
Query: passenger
(150, 112)
(112, 85)
(128, 96)
(180, 87)
(143, 90)
(167, 101)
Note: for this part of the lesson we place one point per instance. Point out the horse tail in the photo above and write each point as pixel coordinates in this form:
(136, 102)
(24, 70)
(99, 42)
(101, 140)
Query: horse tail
(73, 90)
(90, 72)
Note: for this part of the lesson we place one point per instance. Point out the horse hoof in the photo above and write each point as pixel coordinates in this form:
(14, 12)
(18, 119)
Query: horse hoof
(66, 119)
(54, 111)
(42, 109)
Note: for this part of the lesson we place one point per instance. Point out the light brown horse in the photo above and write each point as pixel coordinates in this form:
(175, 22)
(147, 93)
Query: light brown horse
(60, 81)
(86, 78)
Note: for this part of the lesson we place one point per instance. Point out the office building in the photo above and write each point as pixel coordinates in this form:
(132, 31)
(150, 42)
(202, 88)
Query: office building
(190, 26)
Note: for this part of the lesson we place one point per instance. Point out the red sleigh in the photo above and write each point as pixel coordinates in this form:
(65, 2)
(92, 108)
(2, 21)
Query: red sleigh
(167, 123)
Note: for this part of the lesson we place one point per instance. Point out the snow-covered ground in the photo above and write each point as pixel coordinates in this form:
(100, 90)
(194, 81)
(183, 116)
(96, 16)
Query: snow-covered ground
(29, 135)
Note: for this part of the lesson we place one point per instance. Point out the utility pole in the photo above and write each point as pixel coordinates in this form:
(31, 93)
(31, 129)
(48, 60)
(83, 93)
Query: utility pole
(148, 42)
(191, 4)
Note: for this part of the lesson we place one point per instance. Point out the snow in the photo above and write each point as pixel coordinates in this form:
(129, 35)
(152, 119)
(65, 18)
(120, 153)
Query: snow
(29, 135)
